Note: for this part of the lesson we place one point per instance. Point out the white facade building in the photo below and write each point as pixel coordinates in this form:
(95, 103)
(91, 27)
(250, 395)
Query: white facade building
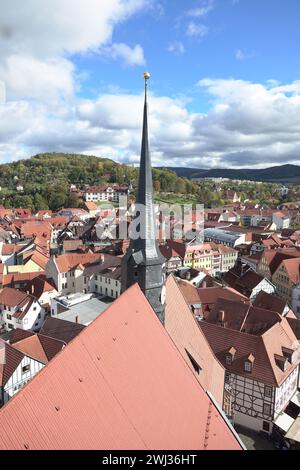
(20, 310)
(106, 193)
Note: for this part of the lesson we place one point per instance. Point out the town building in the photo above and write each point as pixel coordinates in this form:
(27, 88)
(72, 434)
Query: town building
(261, 372)
(77, 308)
(225, 237)
(246, 281)
(20, 310)
(107, 193)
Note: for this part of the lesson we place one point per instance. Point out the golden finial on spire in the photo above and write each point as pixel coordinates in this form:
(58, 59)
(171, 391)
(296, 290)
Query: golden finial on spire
(146, 78)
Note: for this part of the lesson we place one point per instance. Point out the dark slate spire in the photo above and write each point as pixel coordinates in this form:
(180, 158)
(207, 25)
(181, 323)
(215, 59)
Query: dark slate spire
(143, 262)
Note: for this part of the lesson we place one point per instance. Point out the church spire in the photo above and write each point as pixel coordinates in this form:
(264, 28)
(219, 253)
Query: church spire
(143, 262)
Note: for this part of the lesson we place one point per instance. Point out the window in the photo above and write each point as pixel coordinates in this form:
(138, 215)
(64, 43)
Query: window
(8, 317)
(267, 409)
(268, 391)
(227, 377)
(10, 326)
(248, 366)
(228, 359)
(25, 369)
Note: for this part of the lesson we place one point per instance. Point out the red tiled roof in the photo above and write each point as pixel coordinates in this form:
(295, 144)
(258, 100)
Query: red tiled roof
(39, 347)
(263, 348)
(242, 317)
(11, 279)
(120, 384)
(210, 295)
(10, 359)
(91, 206)
(61, 329)
(270, 302)
(9, 249)
(69, 261)
(292, 267)
(12, 297)
(189, 339)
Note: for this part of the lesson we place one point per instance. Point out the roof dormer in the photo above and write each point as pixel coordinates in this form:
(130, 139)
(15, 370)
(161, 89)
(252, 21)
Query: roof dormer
(229, 356)
(248, 364)
(281, 361)
(289, 354)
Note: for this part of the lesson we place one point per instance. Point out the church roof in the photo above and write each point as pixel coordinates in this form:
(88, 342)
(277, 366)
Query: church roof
(120, 384)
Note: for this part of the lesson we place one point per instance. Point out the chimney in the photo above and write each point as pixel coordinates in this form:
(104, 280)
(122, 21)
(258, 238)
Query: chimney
(76, 319)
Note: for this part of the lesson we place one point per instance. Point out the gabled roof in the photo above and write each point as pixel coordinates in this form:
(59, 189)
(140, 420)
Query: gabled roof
(13, 297)
(10, 359)
(242, 317)
(39, 347)
(264, 348)
(270, 302)
(38, 286)
(91, 206)
(120, 384)
(210, 295)
(69, 261)
(192, 344)
(292, 267)
(61, 329)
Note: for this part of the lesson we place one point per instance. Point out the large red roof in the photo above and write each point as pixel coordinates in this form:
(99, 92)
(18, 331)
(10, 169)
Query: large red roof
(120, 384)
(191, 342)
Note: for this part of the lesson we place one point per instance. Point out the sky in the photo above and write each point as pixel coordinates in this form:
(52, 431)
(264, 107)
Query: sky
(224, 88)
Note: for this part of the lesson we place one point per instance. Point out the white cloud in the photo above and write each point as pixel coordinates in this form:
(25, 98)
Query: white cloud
(130, 56)
(196, 29)
(37, 38)
(176, 47)
(202, 10)
(248, 124)
(240, 55)
(44, 80)
(56, 26)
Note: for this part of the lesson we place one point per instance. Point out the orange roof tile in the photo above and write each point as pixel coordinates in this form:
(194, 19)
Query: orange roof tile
(264, 348)
(189, 339)
(69, 261)
(39, 347)
(119, 384)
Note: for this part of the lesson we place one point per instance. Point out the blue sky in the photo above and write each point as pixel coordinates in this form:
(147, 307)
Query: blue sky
(225, 86)
(266, 32)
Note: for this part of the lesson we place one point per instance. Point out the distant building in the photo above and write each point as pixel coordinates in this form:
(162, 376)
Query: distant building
(224, 237)
(77, 308)
(281, 220)
(246, 281)
(106, 193)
